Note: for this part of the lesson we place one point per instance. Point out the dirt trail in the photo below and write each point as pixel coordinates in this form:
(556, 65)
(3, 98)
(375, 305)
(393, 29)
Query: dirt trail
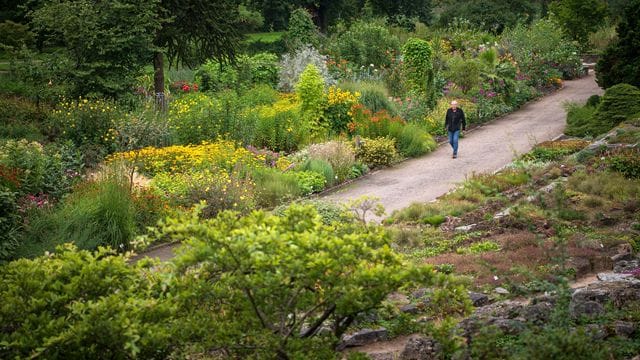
(485, 149)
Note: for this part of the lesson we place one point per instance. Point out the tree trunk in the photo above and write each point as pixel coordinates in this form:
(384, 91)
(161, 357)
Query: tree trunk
(158, 80)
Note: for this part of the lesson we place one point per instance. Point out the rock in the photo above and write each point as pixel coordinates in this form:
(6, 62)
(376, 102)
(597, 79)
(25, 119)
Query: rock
(623, 256)
(596, 331)
(613, 277)
(624, 328)
(537, 313)
(545, 298)
(586, 308)
(410, 309)
(419, 293)
(465, 228)
(580, 264)
(509, 326)
(421, 348)
(623, 266)
(363, 337)
(501, 291)
(502, 214)
(478, 299)
(382, 355)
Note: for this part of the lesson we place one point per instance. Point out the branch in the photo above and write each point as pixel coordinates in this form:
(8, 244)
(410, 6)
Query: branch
(318, 322)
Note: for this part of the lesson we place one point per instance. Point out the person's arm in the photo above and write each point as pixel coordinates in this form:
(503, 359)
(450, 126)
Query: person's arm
(446, 120)
(464, 121)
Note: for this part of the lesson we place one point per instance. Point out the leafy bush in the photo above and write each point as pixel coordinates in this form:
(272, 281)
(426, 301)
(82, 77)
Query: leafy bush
(310, 92)
(463, 72)
(321, 167)
(302, 31)
(372, 125)
(310, 182)
(9, 221)
(373, 95)
(377, 152)
(609, 185)
(280, 126)
(293, 64)
(366, 43)
(626, 162)
(619, 102)
(418, 68)
(28, 161)
(260, 94)
(261, 68)
(77, 304)
(274, 187)
(339, 103)
(21, 118)
(337, 153)
(581, 120)
(412, 140)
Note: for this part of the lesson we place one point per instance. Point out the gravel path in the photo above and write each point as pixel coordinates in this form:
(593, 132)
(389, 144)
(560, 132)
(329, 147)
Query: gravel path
(485, 149)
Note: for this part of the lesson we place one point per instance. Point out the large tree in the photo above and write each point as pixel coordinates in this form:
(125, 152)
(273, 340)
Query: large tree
(620, 62)
(108, 42)
(579, 18)
(193, 31)
(491, 15)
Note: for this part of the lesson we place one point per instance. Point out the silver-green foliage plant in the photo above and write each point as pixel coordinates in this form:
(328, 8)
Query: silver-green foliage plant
(293, 64)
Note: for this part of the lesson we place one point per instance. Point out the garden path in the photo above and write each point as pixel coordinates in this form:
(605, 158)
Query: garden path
(484, 149)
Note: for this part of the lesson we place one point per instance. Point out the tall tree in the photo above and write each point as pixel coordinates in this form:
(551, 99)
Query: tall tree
(620, 62)
(491, 15)
(192, 31)
(420, 9)
(108, 42)
(579, 18)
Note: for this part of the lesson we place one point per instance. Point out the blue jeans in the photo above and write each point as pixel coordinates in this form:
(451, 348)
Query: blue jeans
(453, 140)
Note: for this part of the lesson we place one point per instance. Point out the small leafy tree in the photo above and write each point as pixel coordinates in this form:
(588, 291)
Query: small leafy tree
(301, 30)
(418, 67)
(276, 281)
(310, 91)
(620, 62)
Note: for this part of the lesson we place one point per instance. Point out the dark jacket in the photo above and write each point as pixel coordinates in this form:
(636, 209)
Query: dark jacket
(454, 120)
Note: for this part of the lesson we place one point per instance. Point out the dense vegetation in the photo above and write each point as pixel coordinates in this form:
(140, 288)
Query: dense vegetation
(106, 148)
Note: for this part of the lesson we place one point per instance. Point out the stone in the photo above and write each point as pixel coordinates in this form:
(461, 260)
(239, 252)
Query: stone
(382, 355)
(363, 337)
(478, 299)
(421, 348)
(410, 309)
(624, 266)
(465, 228)
(586, 308)
(537, 313)
(624, 328)
(596, 331)
(502, 214)
(580, 264)
(509, 326)
(419, 293)
(501, 291)
(613, 277)
(623, 256)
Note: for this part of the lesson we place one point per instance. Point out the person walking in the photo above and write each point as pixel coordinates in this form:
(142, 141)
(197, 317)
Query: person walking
(454, 122)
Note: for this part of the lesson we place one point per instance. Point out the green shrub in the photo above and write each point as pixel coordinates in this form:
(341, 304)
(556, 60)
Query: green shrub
(260, 94)
(554, 150)
(301, 30)
(274, 187)
(322, 167)
(477, 248)
(366, 43)
(21, 118)
(280, 131)
(329, 212)
(434, 220)
(310, 182)
(80, 305)
(619, 102)
(626, 162)
(377, 152)
(581, 120)
(594, 100)
(310, 92)
(29, 162)
(373, 95)
(337, 153)
(9, 221)
(418, 68)
(412, 140)
(612, 185)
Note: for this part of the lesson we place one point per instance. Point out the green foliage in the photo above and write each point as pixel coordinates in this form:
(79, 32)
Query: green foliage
(263, 268)
(626, 162)
(274, 187)
(322, 167)
(412, 140)
(611, 186)
(480, 247)
(581, 120)
(310, 91)
(339, 154)
(271, 42)
(373, 95)
(108, 42)
(602, 38)
(20, 118)
(310, 182)
(489, 15)
(9, 222)
(554, 150)
(247, 71)
(620, 61)
(377, 152)
(14, 36)
(76, 304)
(28, 161)
(465, 73)
(366, 43)
(619, 102)
(579, 18)
(418, 68)
(301, 31)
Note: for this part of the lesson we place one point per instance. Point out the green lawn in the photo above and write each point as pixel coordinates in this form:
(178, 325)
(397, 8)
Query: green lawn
(265, 37)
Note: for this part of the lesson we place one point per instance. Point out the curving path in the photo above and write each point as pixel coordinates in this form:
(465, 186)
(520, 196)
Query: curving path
(485, 149)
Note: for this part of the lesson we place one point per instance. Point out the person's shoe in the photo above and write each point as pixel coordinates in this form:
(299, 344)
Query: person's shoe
(455, 156)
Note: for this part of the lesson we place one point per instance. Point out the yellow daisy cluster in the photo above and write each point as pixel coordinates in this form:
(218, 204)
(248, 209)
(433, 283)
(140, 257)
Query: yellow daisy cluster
(222, 154)
(287, 102)
(185, 105)
(337, 96)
